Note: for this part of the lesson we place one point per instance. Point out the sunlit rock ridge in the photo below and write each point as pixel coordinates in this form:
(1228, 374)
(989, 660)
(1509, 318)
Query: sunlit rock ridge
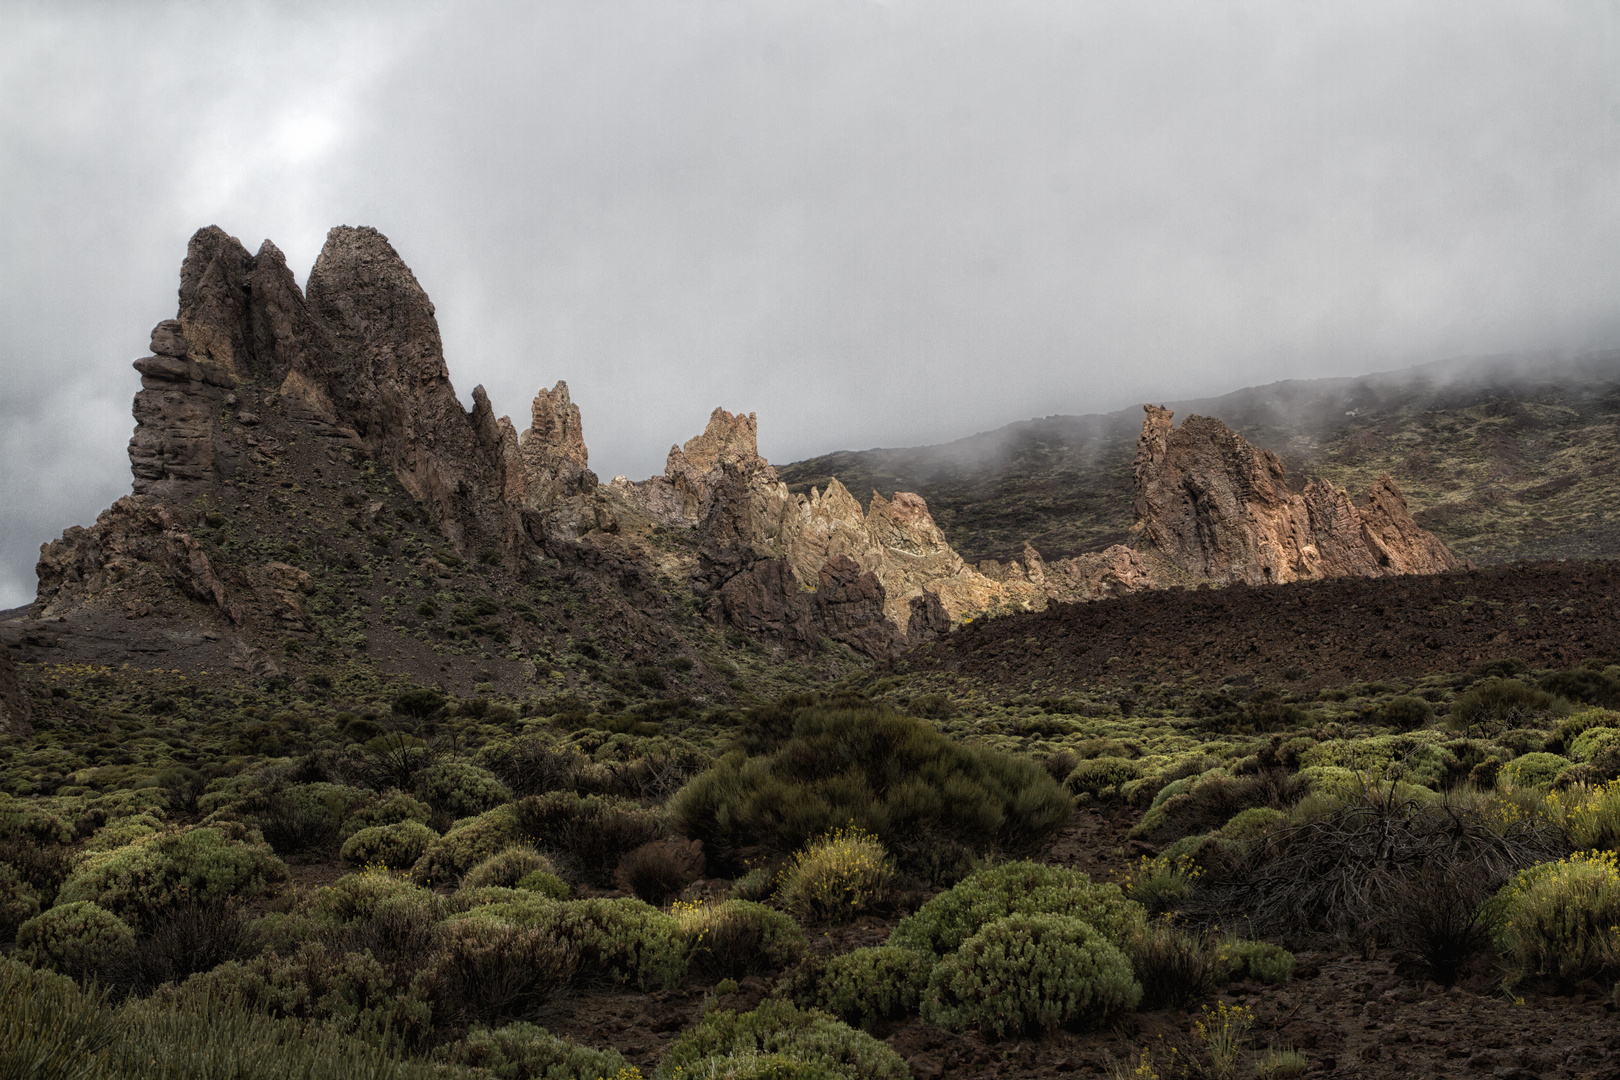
(354, 366)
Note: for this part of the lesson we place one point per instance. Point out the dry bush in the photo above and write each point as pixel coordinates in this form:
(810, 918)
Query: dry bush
(1354, 873)
(188, 938)
(484, 970)
(657, 871)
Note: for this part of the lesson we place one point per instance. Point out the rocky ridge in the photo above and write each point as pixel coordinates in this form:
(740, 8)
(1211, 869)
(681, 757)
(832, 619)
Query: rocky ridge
(259, 383)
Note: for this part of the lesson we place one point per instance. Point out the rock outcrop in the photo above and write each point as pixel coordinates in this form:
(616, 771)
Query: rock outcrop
(1212, 507)
(258, 390)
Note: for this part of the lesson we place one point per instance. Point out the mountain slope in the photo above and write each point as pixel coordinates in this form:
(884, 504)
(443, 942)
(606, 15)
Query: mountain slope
(1502, 459)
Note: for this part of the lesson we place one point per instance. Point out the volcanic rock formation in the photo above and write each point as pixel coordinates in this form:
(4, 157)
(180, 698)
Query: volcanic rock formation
(1212, 507)
(258, 391)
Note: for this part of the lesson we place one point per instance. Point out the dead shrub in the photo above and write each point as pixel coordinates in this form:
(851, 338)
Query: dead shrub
(1442, 922)
(484, 971)
(657, 871)
(1174, 968)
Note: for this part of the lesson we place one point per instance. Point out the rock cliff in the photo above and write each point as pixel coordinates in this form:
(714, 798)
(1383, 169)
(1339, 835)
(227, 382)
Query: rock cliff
(261, 403)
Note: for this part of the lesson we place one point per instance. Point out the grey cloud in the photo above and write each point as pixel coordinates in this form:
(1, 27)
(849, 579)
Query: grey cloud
(872, 224)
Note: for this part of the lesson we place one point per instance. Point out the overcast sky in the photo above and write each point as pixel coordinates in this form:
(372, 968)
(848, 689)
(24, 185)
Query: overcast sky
(872, 223)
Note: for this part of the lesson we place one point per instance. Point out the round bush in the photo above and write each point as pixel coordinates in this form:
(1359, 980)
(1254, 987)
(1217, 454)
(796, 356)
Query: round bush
(949, 919)
(508, 867)
(735, 938)
(75, 938)
(1101, 774)
(469, 842)
(521, 1050)
(1592, 742)
(871, 984)
(394, 846)
(204, 865)
(1030, 972)
(546, 884)
(726, 1043)
(1559, 918)
(1531, 770)
(355, 897)
(836, 877)
(625, 941)
(460, 788)
(486, 968)
(19, 902)
(394, 807)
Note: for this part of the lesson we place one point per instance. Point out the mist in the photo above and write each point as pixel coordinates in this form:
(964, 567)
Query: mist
(870, 223)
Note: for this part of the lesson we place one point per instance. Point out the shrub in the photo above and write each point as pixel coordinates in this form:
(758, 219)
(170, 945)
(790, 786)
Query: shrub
(940, 926)
(76, 938)
(1593, 742)
(51, 1028)
(185, 940)
(1406, 713)
(1503, 703)
(394, 846)
(507, 867)
(1160, 884)
(934, 802)
(735, 938)
(460, 788)
(625, 941)
(1101, 774)
(1559, 919)
(205, 865)
(780, 1030)
(871, 984)
(1028, 972)
(393, 808)
(1172, 967)
(836, 877)
(1213, 799)
(1531, 770)
(518, 1051)
(1594, 821)
(1584, 687)
(19, 901)
(304, 817)
(658, 870)
(469, 842)
(394, 920)
(350, 991)
(590, 834)
(1240, 958)
(486, 968)
(545, 884)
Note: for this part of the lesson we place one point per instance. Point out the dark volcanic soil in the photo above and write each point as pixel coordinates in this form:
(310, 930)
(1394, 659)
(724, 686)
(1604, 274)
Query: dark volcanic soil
(1308, 634)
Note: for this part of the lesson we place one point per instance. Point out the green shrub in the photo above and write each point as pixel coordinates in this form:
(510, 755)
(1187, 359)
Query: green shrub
(75, 938)
(1262, 961)
(1559, 918)
(1592, 742)
(546, 884)
(1531, 770)
(1163, 883)
(1584, 686)
(19, 901)
(520, 1050)
(397, 847)
(871, 984)
(393, 808)
(1406, 713)
(204, 865)
(469, 842)
(1250, 823)
(1101, 774)
(836, 877)
(935, 803)
(589, 834)
(349, 990)
(1593, 821)
(394, 920)
(460, 788)
(508, 867)
(49, 1028)
(728, 1043)
(625, 941)
(1501, 703)
(735, 938)
(1028, 972)
(940, 926)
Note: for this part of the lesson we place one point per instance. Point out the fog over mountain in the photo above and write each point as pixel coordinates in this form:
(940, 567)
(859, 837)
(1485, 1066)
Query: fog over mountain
(872, 223)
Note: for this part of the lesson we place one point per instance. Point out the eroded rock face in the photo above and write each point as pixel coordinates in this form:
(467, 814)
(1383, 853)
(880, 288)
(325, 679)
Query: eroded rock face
(1212, 507)
(14, 704)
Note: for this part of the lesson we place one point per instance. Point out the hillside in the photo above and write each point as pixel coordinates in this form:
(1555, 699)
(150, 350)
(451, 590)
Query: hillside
(1502, 459)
